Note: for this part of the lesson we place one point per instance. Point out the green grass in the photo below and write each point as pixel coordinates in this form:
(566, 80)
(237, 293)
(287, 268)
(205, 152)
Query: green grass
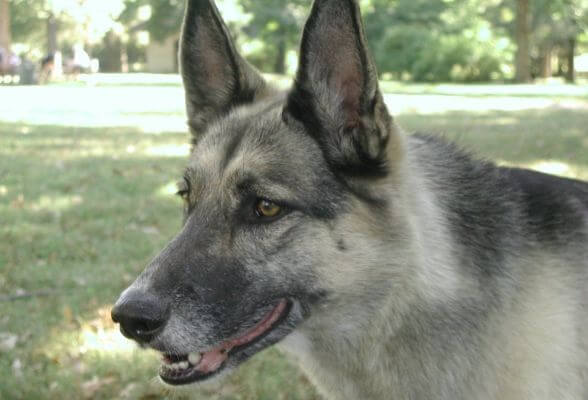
(86, 175)
(554, 89)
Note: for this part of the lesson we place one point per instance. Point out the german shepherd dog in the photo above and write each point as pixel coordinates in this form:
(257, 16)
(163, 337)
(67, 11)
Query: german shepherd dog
(392, 266)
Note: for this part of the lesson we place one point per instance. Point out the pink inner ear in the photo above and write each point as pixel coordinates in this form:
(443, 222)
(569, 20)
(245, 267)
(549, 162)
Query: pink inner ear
(347, 81)
(214, 61)
(346, 78)
(351, 91)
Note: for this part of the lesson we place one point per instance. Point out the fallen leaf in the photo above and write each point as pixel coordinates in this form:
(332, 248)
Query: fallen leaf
(17, 368)
(67, 314)
(129, 391)
(91, 387)
(150, 230)
(78, 366)
(19, 202)
(8, 341)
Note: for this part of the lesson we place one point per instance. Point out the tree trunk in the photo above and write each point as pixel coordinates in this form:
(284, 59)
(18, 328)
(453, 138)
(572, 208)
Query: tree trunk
(523, 58)
(5, 36)
(124, 59)
(560, 63)
(571, 72)
(280, 65)
(546, 67)
(51, 34)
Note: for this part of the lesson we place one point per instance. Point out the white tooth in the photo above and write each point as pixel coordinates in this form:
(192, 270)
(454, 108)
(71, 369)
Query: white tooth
(184, 365)
(194, 358)
(175, 367)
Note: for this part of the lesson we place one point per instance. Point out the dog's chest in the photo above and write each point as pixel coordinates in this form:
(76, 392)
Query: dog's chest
(331, 373)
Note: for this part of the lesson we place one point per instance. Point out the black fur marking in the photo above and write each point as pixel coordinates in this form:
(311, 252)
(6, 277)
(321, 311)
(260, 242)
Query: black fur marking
(553, 205)
(477, 202)
(232, 147)
(484, 201)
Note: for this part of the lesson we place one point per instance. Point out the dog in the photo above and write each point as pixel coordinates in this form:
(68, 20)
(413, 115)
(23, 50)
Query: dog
(392, 266)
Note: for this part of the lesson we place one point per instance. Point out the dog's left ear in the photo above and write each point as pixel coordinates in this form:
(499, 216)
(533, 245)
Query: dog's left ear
(336, 93)
(216, 77)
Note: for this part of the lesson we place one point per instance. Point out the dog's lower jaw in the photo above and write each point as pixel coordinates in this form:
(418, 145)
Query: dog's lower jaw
(196, 367)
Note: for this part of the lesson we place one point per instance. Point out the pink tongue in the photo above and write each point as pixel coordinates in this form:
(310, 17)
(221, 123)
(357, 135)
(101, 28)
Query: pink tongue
(212, 360)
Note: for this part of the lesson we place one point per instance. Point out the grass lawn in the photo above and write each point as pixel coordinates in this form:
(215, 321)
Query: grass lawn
(86, 180)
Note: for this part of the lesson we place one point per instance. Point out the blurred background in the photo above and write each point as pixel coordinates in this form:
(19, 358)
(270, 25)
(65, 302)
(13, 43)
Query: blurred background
(93, 139)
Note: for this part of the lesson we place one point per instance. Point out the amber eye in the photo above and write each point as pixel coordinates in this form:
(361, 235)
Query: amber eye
(183, 190)
(266, 208)
(184, 194)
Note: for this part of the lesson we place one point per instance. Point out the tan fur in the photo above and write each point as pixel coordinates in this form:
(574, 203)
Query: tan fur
(528, 351)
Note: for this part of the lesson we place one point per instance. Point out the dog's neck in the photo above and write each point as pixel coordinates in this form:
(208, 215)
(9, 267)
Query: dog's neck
(346, 352)
(357, 361)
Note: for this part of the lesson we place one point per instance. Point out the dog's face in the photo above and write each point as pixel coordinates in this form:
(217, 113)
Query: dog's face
(271, 178)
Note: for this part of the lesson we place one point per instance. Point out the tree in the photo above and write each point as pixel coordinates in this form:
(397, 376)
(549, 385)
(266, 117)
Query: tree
(5, 36)
(277, 24)
(554, 27)
(435, 41)
(523, 57)
(165, 16)
(37, 22)
(26, 23)
(273, 25)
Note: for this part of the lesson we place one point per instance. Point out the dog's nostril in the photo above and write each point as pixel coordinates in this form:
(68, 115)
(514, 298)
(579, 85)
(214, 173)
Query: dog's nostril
(139, 328)
(114, 316)
(140, 315)
(147, 326)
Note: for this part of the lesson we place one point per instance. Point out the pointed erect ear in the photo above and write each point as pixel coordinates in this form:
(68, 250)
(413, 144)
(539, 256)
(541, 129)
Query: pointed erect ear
(216, 78)
(336, 92)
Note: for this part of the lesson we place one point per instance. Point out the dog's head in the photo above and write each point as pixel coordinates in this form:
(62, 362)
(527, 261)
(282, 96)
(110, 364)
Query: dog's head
(282, 191)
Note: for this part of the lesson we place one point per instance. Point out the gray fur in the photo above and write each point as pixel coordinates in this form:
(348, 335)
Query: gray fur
(414, 271)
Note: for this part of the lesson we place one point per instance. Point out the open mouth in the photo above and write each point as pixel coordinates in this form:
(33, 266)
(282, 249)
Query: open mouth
(194, 367)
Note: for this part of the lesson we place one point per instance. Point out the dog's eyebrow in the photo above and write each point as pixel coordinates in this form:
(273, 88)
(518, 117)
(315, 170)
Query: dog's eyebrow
(193, 176)
(231, 149)
(272, 188)
(191, 173)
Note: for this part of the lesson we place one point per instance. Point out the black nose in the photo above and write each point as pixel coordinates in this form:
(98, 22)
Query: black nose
(141, 315)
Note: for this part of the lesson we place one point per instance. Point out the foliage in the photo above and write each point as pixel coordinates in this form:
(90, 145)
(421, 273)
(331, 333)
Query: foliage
(276, 24)
(553, 24)
(421, 40)
(165, 16)
(551, 20)
(77, 21)
(28, 21)
(436, 41)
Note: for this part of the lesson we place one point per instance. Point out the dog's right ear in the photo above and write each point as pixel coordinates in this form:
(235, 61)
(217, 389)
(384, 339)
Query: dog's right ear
(216, 77)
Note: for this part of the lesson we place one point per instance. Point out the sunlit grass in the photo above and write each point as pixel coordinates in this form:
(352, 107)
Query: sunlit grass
(87, 183)
(556, 89)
